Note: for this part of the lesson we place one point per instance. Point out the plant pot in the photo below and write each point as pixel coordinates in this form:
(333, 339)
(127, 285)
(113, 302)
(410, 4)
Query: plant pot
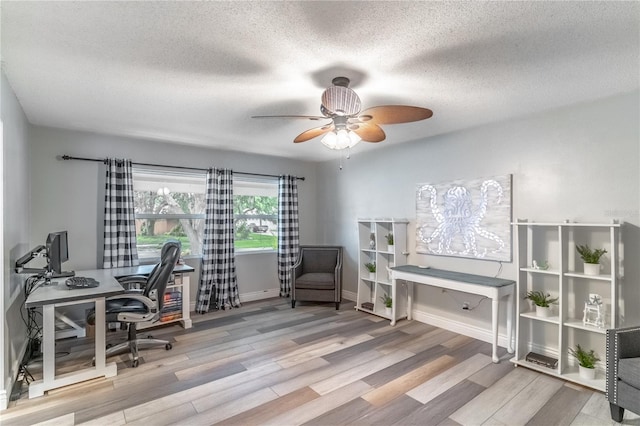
(372, 276)
(587, 373)
(390, 248)
(544, 312)
(592, 269)
(387, 311)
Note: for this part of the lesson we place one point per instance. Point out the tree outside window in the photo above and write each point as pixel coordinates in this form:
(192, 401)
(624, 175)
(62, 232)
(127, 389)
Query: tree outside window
(171, 205)
(168, 206)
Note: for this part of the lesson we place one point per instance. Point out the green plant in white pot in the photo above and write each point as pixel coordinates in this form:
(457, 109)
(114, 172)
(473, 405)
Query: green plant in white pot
(586, 361)
(390, 243)
(371, 267)
(388, 303)
(591, 258)
(542, 301)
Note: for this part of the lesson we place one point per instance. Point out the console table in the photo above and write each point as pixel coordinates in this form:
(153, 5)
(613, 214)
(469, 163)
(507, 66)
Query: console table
(494, 288)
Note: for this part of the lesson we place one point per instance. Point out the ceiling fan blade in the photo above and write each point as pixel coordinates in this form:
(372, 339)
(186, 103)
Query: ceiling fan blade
(369, 132)
(394, 114)
(304, 117)
(313, 133)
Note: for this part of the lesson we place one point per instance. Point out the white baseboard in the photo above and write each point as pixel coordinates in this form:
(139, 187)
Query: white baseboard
(349, 295)
(4, 401)
(249, 297)
(259, 295)
(459, 327)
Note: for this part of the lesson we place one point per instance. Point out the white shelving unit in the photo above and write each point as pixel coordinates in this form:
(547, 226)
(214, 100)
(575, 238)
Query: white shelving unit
(553, 336)
(181, 283)
(372, 288)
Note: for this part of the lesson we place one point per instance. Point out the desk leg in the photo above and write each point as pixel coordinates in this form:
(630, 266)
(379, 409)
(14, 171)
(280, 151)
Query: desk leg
(510, 348)
(49, 344)
(495, 305)
(100, 335)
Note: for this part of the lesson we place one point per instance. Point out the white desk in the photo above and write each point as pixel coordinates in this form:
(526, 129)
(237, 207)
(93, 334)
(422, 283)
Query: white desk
(494, 288)
(57, 295)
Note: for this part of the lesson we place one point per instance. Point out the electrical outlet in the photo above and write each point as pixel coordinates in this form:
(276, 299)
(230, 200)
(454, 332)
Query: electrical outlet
(465, 306)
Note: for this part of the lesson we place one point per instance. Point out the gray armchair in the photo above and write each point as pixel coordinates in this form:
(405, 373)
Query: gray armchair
(317, 275)
(623, 371)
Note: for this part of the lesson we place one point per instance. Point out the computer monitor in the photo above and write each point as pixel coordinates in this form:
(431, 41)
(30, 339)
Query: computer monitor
(57, 253)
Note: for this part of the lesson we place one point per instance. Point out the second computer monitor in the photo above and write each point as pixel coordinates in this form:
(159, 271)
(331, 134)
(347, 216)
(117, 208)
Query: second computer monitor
(57, 251)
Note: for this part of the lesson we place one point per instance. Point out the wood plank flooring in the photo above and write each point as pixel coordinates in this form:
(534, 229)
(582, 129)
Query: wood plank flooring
(268, 364)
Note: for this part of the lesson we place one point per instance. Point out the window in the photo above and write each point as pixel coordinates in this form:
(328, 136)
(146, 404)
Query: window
(255, 209)
(170, 204)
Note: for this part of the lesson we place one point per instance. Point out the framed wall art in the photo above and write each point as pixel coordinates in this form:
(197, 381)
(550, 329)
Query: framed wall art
(465, 218)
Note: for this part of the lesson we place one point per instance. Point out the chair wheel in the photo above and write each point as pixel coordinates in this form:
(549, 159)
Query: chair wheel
(109, 345)
(135, 363)
(168, 346)
(149, 337)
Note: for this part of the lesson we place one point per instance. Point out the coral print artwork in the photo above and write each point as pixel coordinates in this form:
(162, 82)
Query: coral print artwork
(466, 218)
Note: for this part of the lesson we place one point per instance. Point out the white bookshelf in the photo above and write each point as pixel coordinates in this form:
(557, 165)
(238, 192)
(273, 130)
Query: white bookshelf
(553, 336)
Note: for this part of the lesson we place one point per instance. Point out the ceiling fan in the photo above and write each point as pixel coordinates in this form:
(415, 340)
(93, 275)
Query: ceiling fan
(349, 125)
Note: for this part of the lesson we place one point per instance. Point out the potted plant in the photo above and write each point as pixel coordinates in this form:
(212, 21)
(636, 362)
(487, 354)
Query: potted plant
(586, 361)
(389, 238)
(388, 303)
(591, 259)
(543, 302)
(371, 267)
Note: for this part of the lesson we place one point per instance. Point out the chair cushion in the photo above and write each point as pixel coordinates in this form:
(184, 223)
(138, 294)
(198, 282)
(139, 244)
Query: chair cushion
(134, 306)
(315, 280)
(629, 371)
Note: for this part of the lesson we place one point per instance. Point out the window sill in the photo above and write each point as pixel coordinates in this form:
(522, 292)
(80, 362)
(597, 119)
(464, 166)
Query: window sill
(256, 251)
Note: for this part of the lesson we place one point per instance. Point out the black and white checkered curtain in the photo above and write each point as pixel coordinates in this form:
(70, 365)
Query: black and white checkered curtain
(288, 233)
(218, 281)
(119, 219)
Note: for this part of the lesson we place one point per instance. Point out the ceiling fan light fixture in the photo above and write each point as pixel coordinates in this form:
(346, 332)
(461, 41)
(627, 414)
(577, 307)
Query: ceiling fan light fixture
(341, 139)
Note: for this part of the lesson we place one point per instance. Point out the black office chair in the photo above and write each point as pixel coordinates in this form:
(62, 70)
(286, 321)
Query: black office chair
(142, 302)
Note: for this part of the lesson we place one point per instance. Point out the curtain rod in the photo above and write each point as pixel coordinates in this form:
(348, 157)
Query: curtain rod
(103, 160)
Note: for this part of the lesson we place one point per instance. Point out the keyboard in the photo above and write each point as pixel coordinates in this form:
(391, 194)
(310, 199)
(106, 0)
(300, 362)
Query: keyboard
(81, 282)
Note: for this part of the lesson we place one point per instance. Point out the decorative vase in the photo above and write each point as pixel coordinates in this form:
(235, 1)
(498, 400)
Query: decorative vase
(592, 269)
(387, 311)
(587, 373)
(543, 311)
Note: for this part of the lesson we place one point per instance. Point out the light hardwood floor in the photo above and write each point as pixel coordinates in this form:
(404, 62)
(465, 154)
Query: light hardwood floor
(268, 364)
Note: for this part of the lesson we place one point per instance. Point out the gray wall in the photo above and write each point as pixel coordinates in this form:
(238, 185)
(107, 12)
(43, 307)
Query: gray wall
(15, 233)
(68, 195)
(579, 163)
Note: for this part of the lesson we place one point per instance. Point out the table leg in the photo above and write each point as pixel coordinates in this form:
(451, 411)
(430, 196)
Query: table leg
(495, 305)
(409, 300)
(510, 348)
(394, 304)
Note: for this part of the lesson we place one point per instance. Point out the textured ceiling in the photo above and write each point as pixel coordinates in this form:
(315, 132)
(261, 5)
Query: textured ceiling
(195, 72)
